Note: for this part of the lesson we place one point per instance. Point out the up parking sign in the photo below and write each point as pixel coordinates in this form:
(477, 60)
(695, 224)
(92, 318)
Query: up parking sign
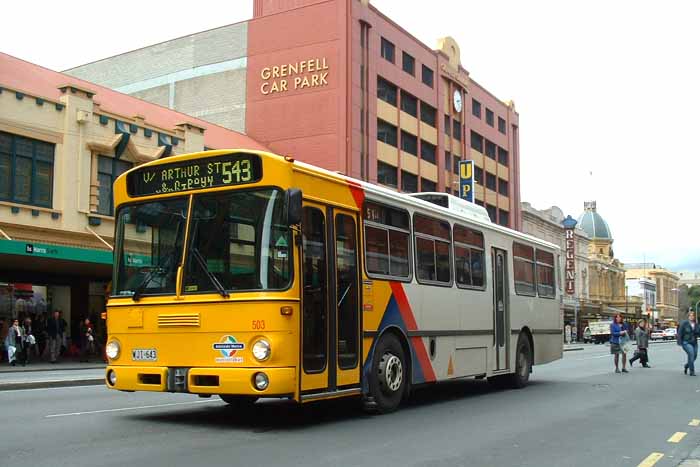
(466, 180)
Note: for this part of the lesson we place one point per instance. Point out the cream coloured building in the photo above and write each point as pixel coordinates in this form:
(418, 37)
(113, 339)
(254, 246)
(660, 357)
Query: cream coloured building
(63, 141)
(667, 288)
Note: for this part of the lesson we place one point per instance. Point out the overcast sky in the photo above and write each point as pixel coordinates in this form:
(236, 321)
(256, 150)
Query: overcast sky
(607, 91)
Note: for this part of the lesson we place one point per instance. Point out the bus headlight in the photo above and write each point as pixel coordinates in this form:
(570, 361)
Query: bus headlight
(112, 349)
(261, 381)
(261, 350)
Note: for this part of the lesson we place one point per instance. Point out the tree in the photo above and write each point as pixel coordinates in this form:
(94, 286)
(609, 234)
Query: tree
(693, 295)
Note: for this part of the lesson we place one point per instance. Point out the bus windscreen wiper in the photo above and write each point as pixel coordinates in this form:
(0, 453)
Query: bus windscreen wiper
(212, 278)
(142, 285)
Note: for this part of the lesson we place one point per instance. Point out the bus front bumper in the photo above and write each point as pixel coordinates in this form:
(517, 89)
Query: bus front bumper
(201, 380)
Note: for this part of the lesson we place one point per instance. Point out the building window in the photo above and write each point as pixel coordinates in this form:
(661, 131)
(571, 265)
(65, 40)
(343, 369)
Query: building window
(524, 269)
(427, 185)
(448, 160)
(492, 212)
(428, 114)
(489, 116)
(446, 126)
(502, 156)
(108, 169)
(545, 274)
(409, 143)
(469, 257)
(387, 50)
(455, 169)
(501, 125)
(387, 174)
(433, 240)
(26, 170)
(503, 218)
(409, 182)
(479, 202)
(409, 64)
(490, 149)
(503, 187)
(477, 142)
(478, 175)
(476, 108)
(427, 151)
(490, 181)
(409, 104)
(387, 235)
(386, 132)
(427, 76)
(386, 91)
(457, 130)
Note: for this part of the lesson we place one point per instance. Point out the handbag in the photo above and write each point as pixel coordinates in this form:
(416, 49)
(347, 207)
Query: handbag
(626, 344)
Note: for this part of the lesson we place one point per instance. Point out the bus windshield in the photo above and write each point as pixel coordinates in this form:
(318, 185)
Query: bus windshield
(150, 237)
(238, 240)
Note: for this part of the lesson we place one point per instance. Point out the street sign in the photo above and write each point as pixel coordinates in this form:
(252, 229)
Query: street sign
(466, 180)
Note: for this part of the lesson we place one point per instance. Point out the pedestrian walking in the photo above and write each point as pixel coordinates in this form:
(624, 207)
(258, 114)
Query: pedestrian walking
(642, 336)
(13, 342)
(617, 334)
(54, 330)
(687, 338)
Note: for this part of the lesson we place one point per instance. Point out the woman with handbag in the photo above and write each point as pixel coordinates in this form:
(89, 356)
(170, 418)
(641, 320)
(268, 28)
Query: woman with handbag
(13, 342)
(618, 337)
(642, 334)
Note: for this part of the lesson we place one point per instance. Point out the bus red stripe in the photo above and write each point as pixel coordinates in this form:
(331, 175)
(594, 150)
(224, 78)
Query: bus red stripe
(410, 322)
(358, 193)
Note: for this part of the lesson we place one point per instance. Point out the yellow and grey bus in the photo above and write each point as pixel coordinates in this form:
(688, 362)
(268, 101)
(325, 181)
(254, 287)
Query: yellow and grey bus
(248, 275)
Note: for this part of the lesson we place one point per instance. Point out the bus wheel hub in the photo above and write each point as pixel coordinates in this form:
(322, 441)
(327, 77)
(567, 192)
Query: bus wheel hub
(391, 372)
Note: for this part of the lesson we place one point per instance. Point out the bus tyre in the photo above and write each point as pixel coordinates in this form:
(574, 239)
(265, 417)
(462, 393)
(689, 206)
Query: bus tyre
(239, 402)
(523, 364)
(389, 376)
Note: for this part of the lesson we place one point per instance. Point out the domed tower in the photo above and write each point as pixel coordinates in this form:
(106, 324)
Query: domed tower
(597, 229)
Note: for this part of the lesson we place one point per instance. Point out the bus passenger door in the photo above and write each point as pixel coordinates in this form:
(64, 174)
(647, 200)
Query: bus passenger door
(347, 299)
(330, 354)
(315, 290)
(500, 309)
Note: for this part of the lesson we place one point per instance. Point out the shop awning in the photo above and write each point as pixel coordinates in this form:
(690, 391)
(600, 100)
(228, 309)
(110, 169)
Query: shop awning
(59, 252)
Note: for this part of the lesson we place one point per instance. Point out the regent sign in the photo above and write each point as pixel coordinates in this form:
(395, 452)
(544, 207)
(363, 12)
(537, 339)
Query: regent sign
(570, 268)
(303, 74)
(570, 250)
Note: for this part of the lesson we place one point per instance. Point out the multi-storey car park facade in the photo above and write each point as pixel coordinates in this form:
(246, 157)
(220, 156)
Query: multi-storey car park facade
(338, 84)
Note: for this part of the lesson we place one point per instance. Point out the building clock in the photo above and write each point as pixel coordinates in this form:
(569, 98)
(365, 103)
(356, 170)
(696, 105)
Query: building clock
(457, 101)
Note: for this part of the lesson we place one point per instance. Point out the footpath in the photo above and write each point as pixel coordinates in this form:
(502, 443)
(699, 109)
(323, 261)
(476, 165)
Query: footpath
(47, 375)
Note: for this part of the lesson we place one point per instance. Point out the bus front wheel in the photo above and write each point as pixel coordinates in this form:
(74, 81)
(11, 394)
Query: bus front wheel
(389, 376)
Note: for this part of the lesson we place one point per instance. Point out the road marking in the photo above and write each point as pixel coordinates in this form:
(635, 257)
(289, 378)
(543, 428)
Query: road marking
(651, 459)
(694, 422)
(122, 409)
(677, 437)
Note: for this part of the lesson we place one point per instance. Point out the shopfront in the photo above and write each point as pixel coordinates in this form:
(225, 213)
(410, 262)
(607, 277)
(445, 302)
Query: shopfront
(37, 279)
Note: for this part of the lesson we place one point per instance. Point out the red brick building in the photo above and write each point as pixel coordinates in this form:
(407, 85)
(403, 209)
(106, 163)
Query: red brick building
(338, 84)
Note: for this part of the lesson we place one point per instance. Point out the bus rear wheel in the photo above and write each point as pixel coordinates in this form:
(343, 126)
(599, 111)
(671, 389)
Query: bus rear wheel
(523, 364)
(389, 376)
(239, 402)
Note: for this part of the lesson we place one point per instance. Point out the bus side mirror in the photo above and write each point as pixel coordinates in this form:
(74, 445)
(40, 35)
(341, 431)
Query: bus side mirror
(293, 196)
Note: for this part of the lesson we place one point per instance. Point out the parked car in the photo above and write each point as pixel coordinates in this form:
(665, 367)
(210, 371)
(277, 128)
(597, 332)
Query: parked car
(670, 334)
(657, 335)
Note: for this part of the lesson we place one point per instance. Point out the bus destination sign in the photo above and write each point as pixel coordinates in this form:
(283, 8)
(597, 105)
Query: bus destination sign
(196, 174)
